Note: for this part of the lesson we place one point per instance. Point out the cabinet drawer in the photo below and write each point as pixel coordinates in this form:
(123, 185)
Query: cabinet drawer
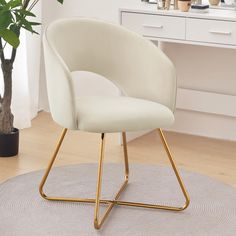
(211, 31)
(155, 25)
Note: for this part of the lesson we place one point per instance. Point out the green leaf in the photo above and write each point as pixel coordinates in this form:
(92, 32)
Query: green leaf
(26, 24)
(26, 13)
(34, 23)
(5, 19)
(15, 28)
(14, 3)
(60, 1)
(10, 37)
(3, 2)
(31, 31)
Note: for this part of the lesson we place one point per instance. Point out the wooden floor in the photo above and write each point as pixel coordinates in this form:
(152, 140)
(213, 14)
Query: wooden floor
(211, 157)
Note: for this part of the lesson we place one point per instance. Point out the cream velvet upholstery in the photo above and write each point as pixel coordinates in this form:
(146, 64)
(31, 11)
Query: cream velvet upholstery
(100, 114)
(142, 72)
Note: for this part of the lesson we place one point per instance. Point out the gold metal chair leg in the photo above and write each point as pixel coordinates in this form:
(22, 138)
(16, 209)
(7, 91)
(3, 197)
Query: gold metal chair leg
(44, 179)
(184, 191)
(97, 223)
(126, 159)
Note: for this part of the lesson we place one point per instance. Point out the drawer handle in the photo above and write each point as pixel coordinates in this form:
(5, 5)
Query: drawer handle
(220, 32)
(153, 26)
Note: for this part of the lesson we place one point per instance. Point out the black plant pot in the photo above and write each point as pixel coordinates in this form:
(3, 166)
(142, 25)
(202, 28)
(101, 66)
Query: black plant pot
(9, 144)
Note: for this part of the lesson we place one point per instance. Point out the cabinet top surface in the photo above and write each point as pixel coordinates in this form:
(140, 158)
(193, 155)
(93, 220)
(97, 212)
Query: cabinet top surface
(214, 14)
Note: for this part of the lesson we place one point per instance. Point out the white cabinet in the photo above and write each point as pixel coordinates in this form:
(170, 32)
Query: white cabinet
(211, 31)
(155, 25)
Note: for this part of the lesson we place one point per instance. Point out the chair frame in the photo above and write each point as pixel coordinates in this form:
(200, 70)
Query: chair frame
(111, 203)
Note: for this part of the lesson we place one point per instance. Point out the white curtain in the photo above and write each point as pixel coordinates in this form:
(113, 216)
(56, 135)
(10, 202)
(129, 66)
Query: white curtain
(26, 74)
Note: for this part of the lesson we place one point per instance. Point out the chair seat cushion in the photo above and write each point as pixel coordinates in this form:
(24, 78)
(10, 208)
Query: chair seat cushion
(116, 114)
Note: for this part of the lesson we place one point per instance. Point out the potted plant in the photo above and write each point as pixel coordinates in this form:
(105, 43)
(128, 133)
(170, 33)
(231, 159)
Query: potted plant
(15, 15)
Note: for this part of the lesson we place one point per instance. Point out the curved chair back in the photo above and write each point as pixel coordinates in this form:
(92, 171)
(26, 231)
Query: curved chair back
(133, 63)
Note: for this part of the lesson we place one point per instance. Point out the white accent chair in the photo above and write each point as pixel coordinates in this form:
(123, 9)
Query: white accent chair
(143, 73)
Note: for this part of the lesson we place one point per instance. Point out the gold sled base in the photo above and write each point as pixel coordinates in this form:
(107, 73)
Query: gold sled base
(98, 222)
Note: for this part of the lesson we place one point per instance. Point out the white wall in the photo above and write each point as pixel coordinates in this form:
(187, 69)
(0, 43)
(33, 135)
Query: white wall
(103, 9)
(202, 68)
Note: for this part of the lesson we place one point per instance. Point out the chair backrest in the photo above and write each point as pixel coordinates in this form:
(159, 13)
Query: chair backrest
(133, 63)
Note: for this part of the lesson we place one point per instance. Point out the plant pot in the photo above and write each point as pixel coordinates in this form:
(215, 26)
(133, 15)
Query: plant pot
(9, 144)
(184, 5)
(214, 2)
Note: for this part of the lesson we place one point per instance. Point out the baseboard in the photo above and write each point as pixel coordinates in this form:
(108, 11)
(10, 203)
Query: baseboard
(204, 124)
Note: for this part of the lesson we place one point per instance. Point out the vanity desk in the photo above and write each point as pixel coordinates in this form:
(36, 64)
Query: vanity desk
(216, 28)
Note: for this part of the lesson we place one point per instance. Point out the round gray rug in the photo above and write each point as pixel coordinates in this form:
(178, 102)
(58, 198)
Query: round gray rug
(24, 213)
